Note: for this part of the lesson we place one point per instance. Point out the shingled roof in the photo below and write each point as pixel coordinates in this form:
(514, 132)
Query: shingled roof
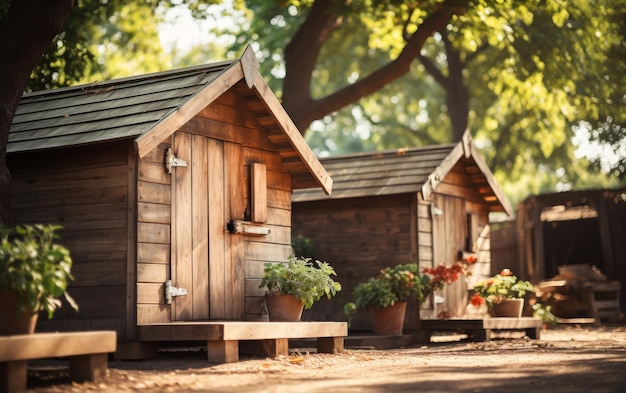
(149, 108)
(413, 170)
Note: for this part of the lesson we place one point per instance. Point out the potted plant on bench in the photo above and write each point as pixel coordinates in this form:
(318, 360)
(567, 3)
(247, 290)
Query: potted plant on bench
(504, 294)
(34, 273)
(385, 295)
(295, 285)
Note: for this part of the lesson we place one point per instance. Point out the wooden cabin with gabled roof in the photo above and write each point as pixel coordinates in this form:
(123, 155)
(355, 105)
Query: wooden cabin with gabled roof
(421, 205)
(173, 190)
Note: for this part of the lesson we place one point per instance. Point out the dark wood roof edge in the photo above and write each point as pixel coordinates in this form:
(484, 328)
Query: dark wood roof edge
(466, 148)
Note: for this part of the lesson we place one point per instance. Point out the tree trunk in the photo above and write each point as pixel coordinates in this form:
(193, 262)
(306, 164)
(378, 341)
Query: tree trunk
(457, 96)
(28, 28)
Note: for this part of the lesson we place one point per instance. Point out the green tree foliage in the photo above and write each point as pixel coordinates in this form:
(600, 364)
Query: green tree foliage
(100, 40)
(519, 74)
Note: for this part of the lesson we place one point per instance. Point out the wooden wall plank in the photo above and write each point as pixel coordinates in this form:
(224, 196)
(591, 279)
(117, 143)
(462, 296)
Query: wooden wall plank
(153, 253)
(154, 193)
(217, 222)
(182, 276)
(153, 213)
(153, 273)
(267, 252)
(258, 192)
(150, 293)
(153, 313)
(200, 228)
(153, 233)
(153, 172)
(234, 297)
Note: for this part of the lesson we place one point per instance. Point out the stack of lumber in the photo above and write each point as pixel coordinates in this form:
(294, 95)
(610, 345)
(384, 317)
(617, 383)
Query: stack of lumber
(581, 291)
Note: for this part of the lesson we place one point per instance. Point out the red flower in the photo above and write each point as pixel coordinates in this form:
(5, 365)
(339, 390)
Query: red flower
(470, 260)
(476, 300)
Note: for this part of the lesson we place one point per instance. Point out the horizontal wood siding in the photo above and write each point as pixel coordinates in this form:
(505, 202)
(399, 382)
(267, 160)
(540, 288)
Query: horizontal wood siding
(86, 191)
(358, 237)
(153, 237)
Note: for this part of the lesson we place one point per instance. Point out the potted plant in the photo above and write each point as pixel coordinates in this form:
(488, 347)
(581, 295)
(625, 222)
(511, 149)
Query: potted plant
(385, 295)
(504, 294)
(296, 284)
(34, 273)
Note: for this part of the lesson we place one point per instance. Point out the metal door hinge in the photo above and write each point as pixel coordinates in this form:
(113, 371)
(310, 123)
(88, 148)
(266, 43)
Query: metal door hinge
(171, 291)
(171, 160)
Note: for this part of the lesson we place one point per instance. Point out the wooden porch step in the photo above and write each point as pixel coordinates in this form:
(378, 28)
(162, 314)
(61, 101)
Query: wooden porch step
(87, 353)
(481, 329)
(271, 338)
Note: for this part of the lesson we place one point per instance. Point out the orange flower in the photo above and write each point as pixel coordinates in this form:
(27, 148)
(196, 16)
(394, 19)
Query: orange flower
(470, 259)
(506, 272)
(476, 300)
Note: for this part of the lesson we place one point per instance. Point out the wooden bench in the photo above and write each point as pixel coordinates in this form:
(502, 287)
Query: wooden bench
(260, 338)
(481, 329)
(87, 353)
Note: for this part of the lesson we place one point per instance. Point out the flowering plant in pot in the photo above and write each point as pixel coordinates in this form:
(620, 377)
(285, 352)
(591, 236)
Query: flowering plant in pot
(393, 286)
(34, 273)
(502, 287)
(300, 281)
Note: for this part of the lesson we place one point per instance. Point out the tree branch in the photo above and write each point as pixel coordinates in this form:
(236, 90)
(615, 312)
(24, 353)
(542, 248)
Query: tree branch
(302, 52)
(303, 115)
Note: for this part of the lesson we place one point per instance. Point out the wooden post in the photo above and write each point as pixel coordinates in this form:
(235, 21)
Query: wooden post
(223, 351)
(330, 345)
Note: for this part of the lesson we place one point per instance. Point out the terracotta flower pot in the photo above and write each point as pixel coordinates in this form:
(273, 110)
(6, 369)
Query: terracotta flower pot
(511, 308)
(284, 308)
(13, 320)
(388, 321)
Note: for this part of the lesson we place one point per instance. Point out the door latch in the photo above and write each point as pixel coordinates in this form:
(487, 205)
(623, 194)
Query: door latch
(172, 291)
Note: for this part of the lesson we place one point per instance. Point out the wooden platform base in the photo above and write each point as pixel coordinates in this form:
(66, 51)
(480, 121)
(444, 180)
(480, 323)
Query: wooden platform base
(261, 338)
(481, 329)
(87, 353)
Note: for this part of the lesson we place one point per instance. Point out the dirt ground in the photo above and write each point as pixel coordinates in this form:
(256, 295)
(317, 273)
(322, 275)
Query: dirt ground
(567, 358)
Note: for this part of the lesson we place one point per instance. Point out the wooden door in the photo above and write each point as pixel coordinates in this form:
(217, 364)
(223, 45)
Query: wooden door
(450, 236)
(206, 259)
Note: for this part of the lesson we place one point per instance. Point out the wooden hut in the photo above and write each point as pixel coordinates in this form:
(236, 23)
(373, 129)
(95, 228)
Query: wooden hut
(419, 205)
(567, 230)
(173, 189)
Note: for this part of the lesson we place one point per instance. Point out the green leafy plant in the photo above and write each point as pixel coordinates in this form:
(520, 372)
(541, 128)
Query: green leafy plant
(35, 267)
(398, 283)
(502, 286)
(544, 313)
(301, 277)
(391, 285)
